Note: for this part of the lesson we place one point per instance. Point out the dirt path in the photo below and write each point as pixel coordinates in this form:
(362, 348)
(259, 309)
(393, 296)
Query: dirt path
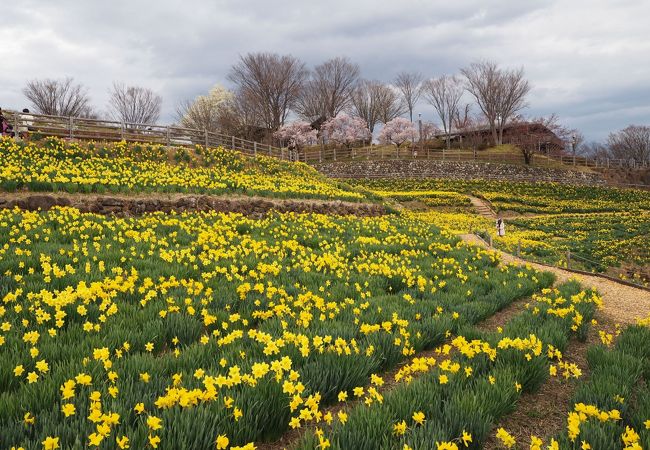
(621, 303)
(482, 207)
(138, 204)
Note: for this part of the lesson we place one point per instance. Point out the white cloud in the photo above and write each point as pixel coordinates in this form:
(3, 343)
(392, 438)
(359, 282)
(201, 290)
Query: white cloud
(587, 59)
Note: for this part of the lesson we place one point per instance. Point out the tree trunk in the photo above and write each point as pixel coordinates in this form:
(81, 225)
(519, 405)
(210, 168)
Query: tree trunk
(495, 136)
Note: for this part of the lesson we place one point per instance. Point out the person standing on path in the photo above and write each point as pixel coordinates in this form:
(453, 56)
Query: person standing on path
(501, 227)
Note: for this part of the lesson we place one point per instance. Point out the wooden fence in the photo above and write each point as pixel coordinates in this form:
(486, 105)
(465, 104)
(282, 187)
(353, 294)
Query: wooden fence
(327, 154)
(107, 130)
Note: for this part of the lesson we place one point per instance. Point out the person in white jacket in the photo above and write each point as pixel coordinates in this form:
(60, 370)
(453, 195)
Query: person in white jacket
(25, 126)
(501, 227)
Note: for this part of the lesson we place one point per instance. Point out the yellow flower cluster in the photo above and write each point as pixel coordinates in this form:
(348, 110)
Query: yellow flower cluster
(131, 330)
(57, 165)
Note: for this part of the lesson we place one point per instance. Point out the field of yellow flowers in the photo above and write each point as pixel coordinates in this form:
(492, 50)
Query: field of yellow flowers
(55, 165)
(220, 331)
(182, 331)
(612, 233)
(536, 198)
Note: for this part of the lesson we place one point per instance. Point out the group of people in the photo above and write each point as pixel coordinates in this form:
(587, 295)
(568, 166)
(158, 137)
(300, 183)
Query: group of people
(24, 125)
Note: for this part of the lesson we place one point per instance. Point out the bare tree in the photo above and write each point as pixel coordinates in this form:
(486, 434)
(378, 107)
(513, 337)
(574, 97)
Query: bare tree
(631, 144)
(329, 90)
(499, 93)
(409, 84)
(206, 112)
(242, 118)
(58, 97)
(389, 103)
(272, 84)
(444, 94)
(375, 102)
(311, 104)
(595, 150)
(134, 104)
(463, 117)
(364, 103)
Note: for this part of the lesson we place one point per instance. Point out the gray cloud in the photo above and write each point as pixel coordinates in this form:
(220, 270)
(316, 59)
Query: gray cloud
(587, 59)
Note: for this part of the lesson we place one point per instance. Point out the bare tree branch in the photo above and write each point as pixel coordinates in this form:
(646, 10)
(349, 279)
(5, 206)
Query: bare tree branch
(444, 94)
(329, 90)
(58, 97)
(375, 102)
(499, 93)
(631, 144)
(271, 83)
(409, 85)
(134, 104)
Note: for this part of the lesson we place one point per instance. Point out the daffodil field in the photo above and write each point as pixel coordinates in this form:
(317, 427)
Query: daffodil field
(603, 227)
(135, 331)
(210, 330)
(55, 165)
(536, 198)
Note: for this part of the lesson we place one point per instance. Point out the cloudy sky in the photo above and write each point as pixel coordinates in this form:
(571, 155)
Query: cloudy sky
(588, 60)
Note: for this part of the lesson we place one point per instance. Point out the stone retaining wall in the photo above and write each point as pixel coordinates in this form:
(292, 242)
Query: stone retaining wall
(125, 207)
(453, 169)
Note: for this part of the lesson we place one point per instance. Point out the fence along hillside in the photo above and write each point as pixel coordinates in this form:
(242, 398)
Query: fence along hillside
(170, 135)
(107, 130)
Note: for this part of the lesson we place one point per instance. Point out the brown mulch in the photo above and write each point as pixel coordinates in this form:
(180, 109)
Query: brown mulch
(544, 413)
(139, 203)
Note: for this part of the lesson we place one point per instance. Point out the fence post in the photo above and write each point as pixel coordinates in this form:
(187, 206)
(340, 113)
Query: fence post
(270, 152)
(16, 126)
(71, 124)
(168, 136)
(490, 236)
(255, 148)
(334, 153)
(320, 154)
(232, 144)
(568, 258)
(205, 134)
(122, 130)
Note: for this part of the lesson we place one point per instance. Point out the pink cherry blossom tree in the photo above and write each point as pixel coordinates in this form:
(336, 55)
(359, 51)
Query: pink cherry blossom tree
(397, 131)
(346, 130)
(297, 134)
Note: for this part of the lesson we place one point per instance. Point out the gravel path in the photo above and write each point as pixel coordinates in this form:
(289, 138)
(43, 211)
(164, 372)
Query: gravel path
(621, 303)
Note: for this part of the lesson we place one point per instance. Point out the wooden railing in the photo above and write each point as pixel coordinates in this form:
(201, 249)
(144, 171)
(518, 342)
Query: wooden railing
(328, 154)
(107, 130)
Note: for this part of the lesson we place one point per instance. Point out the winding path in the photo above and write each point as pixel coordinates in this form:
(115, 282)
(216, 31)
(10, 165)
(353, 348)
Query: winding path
(621, 303)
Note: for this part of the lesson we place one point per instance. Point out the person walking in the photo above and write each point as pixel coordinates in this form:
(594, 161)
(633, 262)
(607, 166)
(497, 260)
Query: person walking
(501, 227)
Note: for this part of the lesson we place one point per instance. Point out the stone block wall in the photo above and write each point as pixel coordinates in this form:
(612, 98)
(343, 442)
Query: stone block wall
(453, 169)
